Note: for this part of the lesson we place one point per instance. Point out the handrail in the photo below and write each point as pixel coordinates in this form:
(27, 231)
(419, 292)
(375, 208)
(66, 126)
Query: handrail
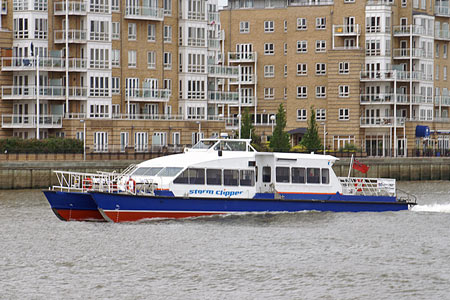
(368, 186)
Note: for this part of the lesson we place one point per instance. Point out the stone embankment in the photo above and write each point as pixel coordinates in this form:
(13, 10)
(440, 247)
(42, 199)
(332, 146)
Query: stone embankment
(39, 174)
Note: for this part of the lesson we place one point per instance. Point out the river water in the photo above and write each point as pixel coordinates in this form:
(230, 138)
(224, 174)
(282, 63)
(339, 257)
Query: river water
(306, 255)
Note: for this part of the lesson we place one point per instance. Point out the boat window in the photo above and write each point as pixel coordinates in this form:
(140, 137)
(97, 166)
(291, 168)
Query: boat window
(169, 171)
(231, 177)
(204, 144)
(282, 174)
(298, 175)
(214, 176)
(196, 176)
(266, 174)
(183, 178)
(313, 175)
(325, 176)
(231, 146)
(146, 171)
(247, 178)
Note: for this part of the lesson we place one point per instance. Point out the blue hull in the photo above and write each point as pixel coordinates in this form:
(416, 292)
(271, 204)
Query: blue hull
(126, 208)
(71, 206)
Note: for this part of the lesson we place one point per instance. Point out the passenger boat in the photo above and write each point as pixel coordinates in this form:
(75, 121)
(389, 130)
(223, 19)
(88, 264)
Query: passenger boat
(225, 176)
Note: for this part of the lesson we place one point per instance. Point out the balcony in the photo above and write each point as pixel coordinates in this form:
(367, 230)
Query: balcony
(377, 29)
(223, 71)
(214, 44)
(245, 79)
(241, 57)
(46, 93)
(380, 2)
(421, 99)
(442, 100)
(75, 36)
(99, 36)
(213, 18)
(390, 75)
(45, 64)
(218, 97)
(442, 35)
(387, 75)
(31, 121)
(415, 53)
(147, 95)
(367, 122)
(346, 30)
(442, 11)
(75, 8)
(100, 8)
(144, 13)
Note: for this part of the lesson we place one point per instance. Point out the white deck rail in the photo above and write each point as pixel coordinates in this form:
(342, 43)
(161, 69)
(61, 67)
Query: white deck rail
(368, 186)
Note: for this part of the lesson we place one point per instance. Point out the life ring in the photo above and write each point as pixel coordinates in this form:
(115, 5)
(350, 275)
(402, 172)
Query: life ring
(87, 184)
(133, 187)
(359, 185)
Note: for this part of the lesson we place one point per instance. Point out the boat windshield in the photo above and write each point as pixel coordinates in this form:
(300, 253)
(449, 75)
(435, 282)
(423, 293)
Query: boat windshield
(204, 144)
(169, 171)
(146, 171)
(231, 145)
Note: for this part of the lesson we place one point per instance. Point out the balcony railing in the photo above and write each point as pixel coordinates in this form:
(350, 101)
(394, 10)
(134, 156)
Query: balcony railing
(96, 7)
(99, 36)
(377, 29)
(241, 56)
(310, 2)
(147, 95)
(31, 121)
(74, 36)
(380, 2)
(75, 8)
(442, 100)
(442, 11)
(442, 35)
(390, 75)
(218, 97)
(45, 92)
(214, 44)
(407, 53)
(213, 18)
(346, 30)
(381, 122)
(45, 64)
(194, 42)
(406, 30)
(144, 13)
(223, 71)
(247, 79)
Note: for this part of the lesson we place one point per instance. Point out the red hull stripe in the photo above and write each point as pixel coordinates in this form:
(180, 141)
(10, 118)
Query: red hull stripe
(131, 216)
(79, 215)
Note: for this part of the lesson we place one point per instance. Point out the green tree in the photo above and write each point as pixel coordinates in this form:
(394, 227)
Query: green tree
(247, 129)
(280, 139)
(311, 140)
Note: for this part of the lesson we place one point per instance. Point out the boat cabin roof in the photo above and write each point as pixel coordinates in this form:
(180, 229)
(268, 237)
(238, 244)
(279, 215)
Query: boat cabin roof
(216, 144)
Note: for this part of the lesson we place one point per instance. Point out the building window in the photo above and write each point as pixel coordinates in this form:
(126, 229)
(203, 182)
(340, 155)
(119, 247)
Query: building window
(269, 71)
(285, 93)
(99, 58)
(344, 67)
(302, 92)
(444, 51)
(302, 46)
(115, 58)
(285, 48)
(301, 24)
(167, 6)
(244, 27)
(167, 34)
(321, 69)
(285, 25)
(344, 114)
(132, 31)
(321, 91)
(151, 33)
(151, 60)
(115, 5)
(269, 49)
(302, 69)
(115, 30)
(321, 23)
(269, 26)
(321, 46)
(404, 3)
(131, 58)
(245, 3)
(285, 71)
(445, 72)
(99, 86)
(302, 114)
(40, 29)
(20, 28)
(321, 114)
(344, 91)
(167, 85)
(269, 93)
(167, 60)
(115, 85)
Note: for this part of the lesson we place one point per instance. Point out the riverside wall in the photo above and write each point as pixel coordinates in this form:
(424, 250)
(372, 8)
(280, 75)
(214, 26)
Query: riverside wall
(39, 174)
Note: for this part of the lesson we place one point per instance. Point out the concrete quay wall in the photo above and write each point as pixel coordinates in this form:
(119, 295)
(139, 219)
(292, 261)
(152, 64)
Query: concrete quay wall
(39, 174)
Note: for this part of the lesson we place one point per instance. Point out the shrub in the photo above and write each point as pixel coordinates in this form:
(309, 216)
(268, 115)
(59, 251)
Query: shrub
(50, 145)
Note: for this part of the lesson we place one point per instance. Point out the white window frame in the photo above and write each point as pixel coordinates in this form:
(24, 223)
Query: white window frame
(132, 58)
(321, 69)
(244, 27)
(344, 67)
(302, 69)
(302, 46)
(344, 91)
(302, 24)
(269, 26)
(321, 46)
(269, 49)
(132, 31)
(302, 114)
(302, 92)
(269, 71)
(344, 114)
(269, 93)
(321, 23)
(321, 91)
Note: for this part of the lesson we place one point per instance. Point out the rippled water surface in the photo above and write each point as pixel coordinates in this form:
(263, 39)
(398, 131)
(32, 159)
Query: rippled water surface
(307, 255)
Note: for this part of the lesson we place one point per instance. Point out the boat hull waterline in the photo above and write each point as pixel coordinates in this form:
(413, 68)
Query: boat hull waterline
(129, 208)
(72, 206)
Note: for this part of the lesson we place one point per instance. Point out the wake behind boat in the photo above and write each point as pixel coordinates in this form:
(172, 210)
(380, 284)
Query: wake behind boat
(224, 176)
